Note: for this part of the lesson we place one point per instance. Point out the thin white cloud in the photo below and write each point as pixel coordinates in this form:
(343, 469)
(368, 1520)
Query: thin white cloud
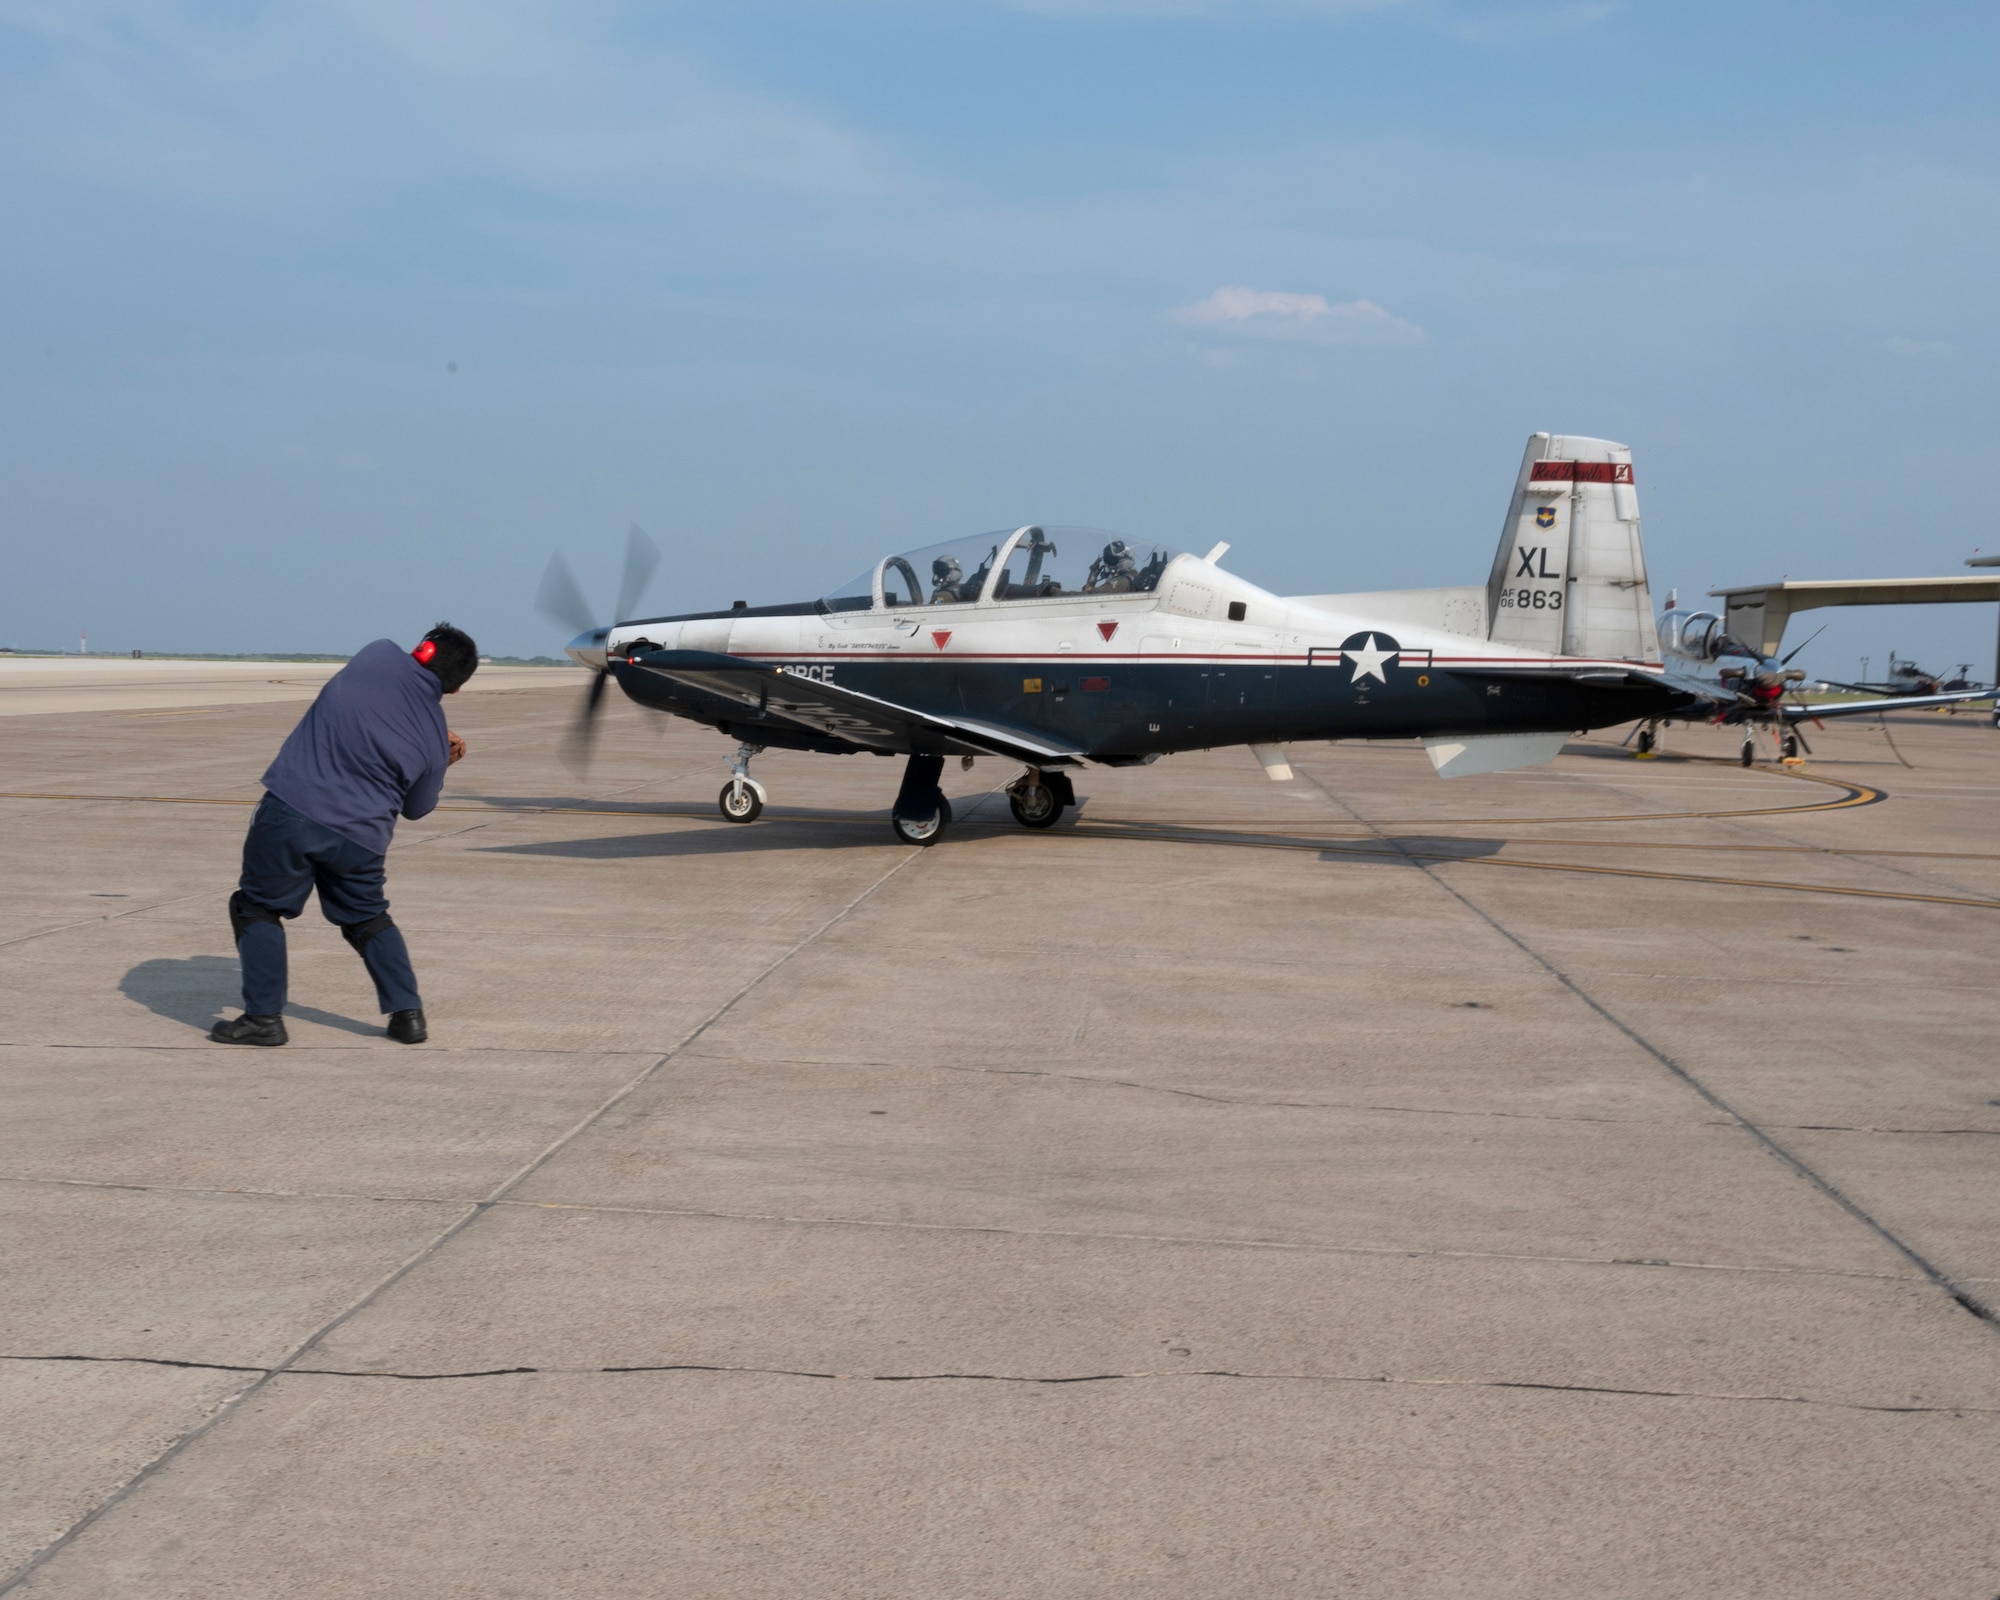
(571, 99)
(554, 95)
(1309, 318)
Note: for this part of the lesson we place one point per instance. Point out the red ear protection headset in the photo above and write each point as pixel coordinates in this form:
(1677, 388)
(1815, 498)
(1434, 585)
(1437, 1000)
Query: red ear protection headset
(424, 652)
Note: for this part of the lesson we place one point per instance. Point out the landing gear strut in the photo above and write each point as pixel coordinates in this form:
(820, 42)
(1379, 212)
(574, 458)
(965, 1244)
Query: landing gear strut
(921, 812)
(742, 797)
(1038, 799)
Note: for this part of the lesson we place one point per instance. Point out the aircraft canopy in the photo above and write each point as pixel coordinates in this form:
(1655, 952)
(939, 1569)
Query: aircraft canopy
(1032, 563)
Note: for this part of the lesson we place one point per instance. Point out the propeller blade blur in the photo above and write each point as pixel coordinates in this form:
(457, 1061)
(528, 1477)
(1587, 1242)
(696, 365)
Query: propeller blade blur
(561, 600)
(581, 738)
(642, 559)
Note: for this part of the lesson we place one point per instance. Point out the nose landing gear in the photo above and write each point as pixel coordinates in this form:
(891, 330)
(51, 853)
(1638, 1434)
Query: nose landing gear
(742, 797)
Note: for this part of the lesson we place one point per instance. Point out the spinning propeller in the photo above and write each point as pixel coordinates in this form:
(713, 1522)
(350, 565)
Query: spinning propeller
(562, 601)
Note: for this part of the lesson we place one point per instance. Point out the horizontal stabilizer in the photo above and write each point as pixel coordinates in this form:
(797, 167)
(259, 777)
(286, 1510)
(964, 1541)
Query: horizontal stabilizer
(1471, 754)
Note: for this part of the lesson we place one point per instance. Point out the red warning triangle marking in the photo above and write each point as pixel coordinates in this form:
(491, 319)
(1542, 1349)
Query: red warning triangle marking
(942, 636)
(1107, 629)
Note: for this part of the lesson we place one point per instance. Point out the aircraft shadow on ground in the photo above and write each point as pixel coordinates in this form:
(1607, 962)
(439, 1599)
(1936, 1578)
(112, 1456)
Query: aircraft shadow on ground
(198, 989)
(1408, 850)
(691, 810)
(768, 835)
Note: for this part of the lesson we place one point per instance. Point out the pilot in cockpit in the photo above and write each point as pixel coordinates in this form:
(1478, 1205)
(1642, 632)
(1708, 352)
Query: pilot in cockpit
(1114, 572)
(947, 581)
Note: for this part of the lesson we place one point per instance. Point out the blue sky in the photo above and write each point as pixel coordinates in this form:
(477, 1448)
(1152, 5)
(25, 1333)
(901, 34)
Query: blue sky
(325, 321)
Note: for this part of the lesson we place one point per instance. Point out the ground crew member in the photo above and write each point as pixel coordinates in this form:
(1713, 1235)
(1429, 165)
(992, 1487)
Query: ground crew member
(374, 746)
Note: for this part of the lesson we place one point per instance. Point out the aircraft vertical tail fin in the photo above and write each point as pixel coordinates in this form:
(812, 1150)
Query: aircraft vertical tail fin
(1570, 574)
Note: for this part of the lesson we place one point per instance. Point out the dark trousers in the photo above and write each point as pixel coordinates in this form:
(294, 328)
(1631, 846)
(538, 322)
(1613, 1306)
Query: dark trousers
(286, 857)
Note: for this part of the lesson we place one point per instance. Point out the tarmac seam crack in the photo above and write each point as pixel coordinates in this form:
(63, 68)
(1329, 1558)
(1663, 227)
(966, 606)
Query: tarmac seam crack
(1198, 1241)
(109, 916)
(625, 1369)
(1315, 1105)
(1799, 1168)
(471, 1213)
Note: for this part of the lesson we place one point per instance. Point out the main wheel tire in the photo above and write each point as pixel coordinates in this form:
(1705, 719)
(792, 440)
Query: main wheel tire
(927, 832)
(1035, 805)
(1749, 753)
(1791, 747)
(739, 805)
(1646, 741)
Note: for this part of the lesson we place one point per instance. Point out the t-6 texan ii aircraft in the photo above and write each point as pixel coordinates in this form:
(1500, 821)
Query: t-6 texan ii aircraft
(1061, 648)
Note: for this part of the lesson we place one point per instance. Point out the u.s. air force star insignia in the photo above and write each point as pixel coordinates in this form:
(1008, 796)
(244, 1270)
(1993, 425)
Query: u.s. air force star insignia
(1369, 656)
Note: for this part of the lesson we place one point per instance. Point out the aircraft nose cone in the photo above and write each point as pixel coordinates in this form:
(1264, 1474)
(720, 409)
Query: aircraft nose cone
(587, 649)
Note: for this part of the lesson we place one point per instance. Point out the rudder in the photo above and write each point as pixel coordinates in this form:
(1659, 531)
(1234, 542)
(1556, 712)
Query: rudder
(1569, 577)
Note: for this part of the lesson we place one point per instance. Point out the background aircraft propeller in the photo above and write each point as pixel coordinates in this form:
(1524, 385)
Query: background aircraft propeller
(562, 601)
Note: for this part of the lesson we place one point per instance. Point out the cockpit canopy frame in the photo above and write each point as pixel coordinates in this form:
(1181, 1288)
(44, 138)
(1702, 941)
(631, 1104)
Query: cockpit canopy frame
(1027, 563)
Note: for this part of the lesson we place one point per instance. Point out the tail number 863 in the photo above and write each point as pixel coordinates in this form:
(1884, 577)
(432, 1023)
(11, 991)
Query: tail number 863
(1531, 599)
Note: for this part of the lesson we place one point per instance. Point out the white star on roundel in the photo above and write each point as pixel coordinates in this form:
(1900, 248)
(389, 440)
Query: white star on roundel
(1368, 662)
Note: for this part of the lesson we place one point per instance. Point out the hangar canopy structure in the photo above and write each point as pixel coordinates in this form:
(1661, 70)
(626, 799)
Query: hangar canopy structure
(1757, 613)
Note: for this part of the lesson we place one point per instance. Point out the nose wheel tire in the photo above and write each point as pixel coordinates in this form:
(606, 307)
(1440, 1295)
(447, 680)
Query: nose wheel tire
(927, 831)
(1035, 805)
(1749, 753)
(740, 804)
(1791, 746)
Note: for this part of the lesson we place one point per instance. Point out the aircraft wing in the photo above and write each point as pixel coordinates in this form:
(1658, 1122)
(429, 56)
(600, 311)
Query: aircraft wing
(843, 713)
(1864, 708)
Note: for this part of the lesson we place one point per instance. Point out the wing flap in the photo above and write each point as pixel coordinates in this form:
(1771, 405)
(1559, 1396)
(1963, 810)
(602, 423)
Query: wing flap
(844, 713)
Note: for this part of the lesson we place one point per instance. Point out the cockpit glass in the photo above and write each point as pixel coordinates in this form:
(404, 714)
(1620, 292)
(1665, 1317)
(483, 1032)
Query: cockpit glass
(1053, 560)
(1047, 561)
(857, 594)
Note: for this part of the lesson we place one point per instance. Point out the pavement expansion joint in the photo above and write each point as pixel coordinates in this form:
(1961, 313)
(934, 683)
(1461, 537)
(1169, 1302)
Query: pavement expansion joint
(1251, 1102)
(1152, 1375)
(469, 1214)
(1086, 1235)
(1958, 1293)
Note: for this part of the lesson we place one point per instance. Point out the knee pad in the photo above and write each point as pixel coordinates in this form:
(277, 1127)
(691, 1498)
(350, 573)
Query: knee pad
(358, 934)
(243, 912)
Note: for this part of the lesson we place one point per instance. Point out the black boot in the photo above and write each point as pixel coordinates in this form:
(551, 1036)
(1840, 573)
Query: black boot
(247, 1029)
(407, 1027)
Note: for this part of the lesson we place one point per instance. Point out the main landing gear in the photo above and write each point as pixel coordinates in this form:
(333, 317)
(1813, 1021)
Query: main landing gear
(1648, 740)
(742, 797)
(1038, 799)
(921, 813)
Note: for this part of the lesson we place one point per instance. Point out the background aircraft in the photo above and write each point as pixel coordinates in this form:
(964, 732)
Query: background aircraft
(1733, 684)
(1906, 677)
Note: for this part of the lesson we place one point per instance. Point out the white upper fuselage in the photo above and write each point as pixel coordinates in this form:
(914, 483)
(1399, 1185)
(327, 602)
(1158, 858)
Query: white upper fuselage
(1186, 617)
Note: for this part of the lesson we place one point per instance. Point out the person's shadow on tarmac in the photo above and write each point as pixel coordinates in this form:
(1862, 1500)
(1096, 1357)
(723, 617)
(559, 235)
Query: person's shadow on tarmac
(198, 989)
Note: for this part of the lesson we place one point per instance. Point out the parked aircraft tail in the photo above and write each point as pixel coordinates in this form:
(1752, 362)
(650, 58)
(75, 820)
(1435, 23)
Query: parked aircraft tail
(1570, 574)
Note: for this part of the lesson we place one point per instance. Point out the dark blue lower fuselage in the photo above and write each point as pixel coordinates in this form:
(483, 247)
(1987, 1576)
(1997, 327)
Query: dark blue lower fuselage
(1128, 709)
